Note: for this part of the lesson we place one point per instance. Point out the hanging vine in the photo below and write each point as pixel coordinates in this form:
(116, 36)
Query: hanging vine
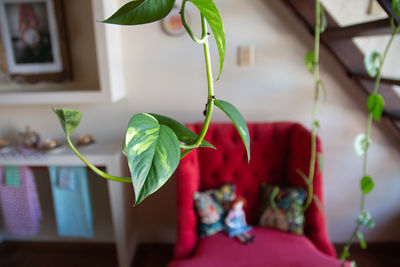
(154, 144)
(373, 62)
(312, 64)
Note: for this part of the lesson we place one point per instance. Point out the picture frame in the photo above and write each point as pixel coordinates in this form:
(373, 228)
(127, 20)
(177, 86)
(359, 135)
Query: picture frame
(33, 38)
(172, 23)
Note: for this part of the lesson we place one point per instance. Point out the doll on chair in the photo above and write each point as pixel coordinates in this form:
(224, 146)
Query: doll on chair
(235, 222)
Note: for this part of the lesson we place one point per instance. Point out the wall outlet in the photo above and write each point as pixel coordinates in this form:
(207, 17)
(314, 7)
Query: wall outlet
(245, 55)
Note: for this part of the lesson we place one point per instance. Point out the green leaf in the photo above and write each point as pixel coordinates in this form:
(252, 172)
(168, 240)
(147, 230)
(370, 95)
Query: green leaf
(324, 22)
(153, 154)
(239, 122)
(367, 185)
(321, 162)
(183, 133)
(316, 124)
(69, 119)
(360, 237)
(141, 12)
(361, 144)
(345, 254)
(309, 61)
(375, 105)
(372, 62)
(365, 219)
(396, 7)
(210, 12)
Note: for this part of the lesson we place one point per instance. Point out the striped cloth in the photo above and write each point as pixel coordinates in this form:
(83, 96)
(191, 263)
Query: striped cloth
(19, 203)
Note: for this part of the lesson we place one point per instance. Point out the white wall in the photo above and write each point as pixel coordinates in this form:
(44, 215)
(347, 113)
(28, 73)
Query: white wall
(167, 75)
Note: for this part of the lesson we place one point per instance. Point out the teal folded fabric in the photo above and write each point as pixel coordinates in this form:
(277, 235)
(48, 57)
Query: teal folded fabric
(12, 176)
(71, 196)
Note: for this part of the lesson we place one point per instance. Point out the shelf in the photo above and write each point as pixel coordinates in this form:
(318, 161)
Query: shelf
(96, 54)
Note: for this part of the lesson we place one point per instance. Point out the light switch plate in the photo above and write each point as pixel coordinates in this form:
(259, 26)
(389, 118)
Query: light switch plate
(245, 55)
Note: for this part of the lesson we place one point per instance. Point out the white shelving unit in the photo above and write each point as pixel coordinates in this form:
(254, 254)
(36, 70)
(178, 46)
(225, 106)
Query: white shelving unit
(120, 194)
(108, 87)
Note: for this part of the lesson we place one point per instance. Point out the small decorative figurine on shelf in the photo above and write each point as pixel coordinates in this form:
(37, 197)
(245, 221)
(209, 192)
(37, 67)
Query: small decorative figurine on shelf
(85, 140)
(30, 138)
(235, 222)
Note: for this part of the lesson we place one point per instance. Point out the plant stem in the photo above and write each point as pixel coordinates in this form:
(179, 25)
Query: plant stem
(94, 168)
(311, 172)
(204, 35)
(211, 97)
(368, 134)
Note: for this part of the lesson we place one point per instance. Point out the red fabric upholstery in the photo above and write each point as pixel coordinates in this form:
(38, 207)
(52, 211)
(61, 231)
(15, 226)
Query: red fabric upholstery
(271, 248)
(277, 151)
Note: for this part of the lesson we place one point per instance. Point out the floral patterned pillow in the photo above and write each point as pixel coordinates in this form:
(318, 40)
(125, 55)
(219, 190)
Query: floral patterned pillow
(281, 208)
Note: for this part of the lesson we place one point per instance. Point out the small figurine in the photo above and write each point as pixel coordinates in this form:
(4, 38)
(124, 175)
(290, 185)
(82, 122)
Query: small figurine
(30, 138)
(235, 222)
(85, 140)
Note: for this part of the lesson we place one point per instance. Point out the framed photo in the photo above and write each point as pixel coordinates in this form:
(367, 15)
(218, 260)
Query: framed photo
(34, 40)
(172, 23)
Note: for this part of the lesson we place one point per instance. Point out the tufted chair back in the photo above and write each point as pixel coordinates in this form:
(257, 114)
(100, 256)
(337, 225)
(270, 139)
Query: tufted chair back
(278, 150)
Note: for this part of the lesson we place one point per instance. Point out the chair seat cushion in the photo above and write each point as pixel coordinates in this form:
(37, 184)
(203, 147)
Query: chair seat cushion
(270, 248)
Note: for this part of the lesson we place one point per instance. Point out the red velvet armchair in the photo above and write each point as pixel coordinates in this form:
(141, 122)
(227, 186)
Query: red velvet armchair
(277, 151)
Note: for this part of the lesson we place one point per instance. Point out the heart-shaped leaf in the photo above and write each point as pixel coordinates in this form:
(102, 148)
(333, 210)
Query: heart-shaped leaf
(309, 61)
(153, 154)
(396, 7)
(239, 122)
(183, 133)
(367, 184)
(361, 144)
(141, 12)
(375, 105)
(372, 63)
(210, 12)
(69, 119)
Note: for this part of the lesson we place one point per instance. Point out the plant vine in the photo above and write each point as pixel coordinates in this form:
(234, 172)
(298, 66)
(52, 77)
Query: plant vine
(373, 62)
(312, 64)
(154, 144)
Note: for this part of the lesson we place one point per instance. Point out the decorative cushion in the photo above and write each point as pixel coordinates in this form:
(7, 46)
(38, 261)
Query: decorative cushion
(281, 208)
(211, 207)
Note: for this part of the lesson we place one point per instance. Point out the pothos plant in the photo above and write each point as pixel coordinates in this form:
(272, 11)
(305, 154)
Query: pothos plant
(154, 144)
(373, 62)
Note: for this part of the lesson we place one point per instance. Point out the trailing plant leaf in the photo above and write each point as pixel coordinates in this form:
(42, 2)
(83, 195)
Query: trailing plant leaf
(396, 7)
(375, 105)
(239, 122)
(361, 144)
(68, 118)
(367, 185)
(345, 254)
(365, 219)
(183, 133)
(360, 237)
(141, 12)
(324, 22)
(210, 12)
(153, 154)
(316, 124)
(321, 162)
(372, 62)
(309, 61)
